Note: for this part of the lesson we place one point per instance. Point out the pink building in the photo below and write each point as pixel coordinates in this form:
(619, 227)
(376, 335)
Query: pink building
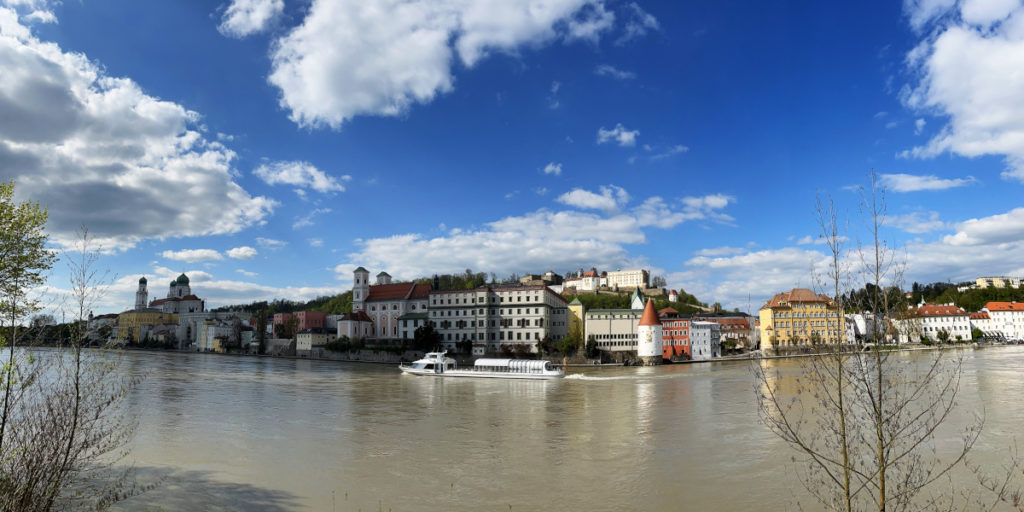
(282, 318)
(310, 320)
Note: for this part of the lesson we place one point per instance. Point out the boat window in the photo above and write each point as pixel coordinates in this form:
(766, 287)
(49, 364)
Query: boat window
(428, 366)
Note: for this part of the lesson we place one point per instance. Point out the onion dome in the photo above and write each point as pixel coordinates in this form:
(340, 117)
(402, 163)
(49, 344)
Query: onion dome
(142, 280)
(182, 280)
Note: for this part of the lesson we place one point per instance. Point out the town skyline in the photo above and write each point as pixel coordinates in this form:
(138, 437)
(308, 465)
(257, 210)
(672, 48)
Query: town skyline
(221, 142)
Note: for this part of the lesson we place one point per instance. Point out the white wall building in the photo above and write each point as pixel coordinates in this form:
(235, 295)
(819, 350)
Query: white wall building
(628, 279)
(983, 322)
(1007, 318)
(384, 302)
(705, 340)
(491, 317)
(930, 320)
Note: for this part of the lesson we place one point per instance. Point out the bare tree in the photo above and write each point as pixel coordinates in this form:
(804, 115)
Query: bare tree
(67, 433)
(864, 423)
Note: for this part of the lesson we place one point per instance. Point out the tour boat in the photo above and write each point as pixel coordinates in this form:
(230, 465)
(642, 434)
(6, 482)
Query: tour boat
(437, 364)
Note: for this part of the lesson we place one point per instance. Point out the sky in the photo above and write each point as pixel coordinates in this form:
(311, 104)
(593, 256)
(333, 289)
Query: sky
(268, 147)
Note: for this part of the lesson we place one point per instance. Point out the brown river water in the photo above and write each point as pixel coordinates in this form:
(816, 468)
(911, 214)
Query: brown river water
(240, 433)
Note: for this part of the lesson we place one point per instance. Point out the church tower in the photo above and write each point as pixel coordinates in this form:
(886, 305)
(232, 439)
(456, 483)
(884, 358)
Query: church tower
(141, 295)
(649, 336)
(360, 288)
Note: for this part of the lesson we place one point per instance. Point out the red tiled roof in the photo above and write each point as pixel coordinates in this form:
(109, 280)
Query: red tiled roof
(981, 315)
(940, 310)
(590, 273)
(650, 317)
(665, 311)
(398, 291)
(158, 302)
(1004, 306)
(795, 295)
(359, 316)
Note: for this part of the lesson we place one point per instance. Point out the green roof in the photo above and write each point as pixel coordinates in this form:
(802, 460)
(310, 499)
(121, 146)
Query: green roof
(413, 316)
(361, 269)
(576, 302)
(142, 280)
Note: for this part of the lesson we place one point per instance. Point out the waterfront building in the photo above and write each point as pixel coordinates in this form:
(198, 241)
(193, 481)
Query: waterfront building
(649, 336)
(190, 334)
(860, 328)
(309, 320)
(306, 340)
(1007, 318)
(625, 279)
(385, 302)
(356, 325)
(576, 318)
(928, 321)
(135, 324)
(983, 322)
(735, 327)
(705, 340)
(331, 322)
(675, 334)
(494, 318)
(798, 318)
(409, 322)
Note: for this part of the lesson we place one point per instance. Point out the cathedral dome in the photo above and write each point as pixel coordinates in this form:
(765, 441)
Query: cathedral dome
(182, 280)
(142, 280)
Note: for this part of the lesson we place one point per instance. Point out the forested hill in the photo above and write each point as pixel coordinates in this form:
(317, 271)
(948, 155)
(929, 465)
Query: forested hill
(330, 304)
(970, 300)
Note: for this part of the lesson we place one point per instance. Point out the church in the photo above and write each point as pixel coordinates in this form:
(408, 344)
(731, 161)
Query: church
(179, 298)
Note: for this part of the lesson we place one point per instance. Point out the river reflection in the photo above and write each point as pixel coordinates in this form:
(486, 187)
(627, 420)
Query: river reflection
(310, 435)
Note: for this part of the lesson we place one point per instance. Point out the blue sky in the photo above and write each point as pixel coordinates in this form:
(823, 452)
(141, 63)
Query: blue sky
(268, 147)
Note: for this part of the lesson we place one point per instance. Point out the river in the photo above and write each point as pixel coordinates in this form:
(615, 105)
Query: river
(264, 434)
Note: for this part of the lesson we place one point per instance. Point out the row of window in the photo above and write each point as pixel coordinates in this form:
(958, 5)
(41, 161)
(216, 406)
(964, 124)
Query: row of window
(500, 311)
(472, 300)
(501, 336)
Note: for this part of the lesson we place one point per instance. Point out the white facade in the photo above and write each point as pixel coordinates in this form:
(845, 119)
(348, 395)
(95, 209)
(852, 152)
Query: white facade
(614, 330)
(384, 302)
(628, 279)
(929, 321)
(408, 324)
(493, 317)
(141, 295)
(705, 340)
(1007, 318)
(649, 341)
(983, 322)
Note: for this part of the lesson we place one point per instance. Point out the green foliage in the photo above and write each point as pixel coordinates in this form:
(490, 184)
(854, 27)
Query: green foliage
(863, 299)
(977, 334)
(591, 348)
(24, 258)
(943, 336)
(425, 338)
(329, 304)
(344, 344)
(467, 280)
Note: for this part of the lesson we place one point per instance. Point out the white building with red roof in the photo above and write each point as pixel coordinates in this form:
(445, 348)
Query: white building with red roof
(1007, 318)
(983, 322)
(929, 321)
(384, 302)
(179, 298)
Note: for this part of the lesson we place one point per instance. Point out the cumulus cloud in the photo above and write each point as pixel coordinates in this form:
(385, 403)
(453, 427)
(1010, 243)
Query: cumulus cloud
(984, 115)
(380, 58)
(913, 183)
(619, 135)
(242, 253)
(734, 276)
(707, 207)
(613, 72)
(525, 243)
(609, 200)
(994, 230)
(916, 222)
(193, 255)
(307, 220)
(126, 164)
(247, 17)
(270, 243)
(553, 168)
(300, 174)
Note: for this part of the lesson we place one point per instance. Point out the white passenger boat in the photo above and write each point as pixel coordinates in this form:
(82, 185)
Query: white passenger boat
(437, 364)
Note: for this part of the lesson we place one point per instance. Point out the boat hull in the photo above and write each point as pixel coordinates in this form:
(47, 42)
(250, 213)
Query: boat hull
(482, 374)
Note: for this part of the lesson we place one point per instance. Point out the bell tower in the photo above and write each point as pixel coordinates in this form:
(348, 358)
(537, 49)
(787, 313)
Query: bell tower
(360, 288)
(141, 295)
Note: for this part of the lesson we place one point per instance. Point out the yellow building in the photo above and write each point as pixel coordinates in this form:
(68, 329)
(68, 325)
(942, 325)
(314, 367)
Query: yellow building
(801, 317)
(576, 311)
(130, 323)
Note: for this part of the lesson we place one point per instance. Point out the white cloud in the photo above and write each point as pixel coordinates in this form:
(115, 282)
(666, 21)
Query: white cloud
(612, 71)
(913, 183)
(300, 174)
(541, 191)
(553, 168)
(640, 22)
(316, 242)
(721, 251)
(960, 73)
(916, 222)
(247, 17)
(242, 253)
(735, 278)
(996, 229)
(126, 164)
(270, 243)
(41, 16)
(707, 207)
(308, 219)
(672, 151)
(919, 126)
(380, 58)
(620, 135)
(541, 239)
(246, 273)
(193, 255)
(553, 102)
(609, 200)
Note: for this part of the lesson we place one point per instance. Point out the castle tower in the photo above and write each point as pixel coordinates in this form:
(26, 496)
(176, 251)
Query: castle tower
(141, 295)
(360, 288)
(649, 336)
(383, 278)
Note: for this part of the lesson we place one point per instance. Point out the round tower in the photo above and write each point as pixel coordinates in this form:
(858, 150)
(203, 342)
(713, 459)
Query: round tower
(649, 336)
(141, 295)
(360, 288)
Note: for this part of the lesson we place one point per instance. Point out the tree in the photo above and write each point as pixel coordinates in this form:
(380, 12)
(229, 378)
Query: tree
(658, 282)
(943, 336)
(864, 423)
(425, 337)
(591, 348)
(977, 334)
(62, 440)
(24, 260)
